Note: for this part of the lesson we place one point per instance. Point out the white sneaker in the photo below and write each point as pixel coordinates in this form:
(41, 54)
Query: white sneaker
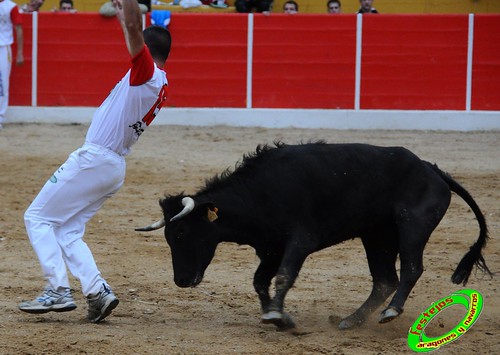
(50, 301)
(101, 304)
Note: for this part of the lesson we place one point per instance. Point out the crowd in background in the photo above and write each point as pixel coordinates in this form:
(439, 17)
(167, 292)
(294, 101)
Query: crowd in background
(292, 7)
(243, 6)
(332, 7)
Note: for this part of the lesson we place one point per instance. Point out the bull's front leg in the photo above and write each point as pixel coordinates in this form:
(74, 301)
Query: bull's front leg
(275, 314)
(285, 278)
(262, 280)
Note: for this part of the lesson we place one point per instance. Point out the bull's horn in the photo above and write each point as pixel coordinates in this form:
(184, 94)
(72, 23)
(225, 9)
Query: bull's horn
(188, 204)
(152, 227)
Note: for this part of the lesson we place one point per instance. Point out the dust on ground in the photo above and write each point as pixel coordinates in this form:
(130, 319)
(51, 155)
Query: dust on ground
(222, 314)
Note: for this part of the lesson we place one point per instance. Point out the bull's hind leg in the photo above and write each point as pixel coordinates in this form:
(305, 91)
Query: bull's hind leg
(381, 253)
(411, 269)
(416, 219)
(414, 232)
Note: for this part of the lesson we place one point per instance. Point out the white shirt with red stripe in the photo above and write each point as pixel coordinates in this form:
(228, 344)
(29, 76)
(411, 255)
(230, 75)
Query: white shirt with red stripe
(9, 16)
(130, 107)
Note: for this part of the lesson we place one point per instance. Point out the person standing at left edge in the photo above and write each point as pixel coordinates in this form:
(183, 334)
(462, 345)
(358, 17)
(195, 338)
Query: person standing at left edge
(56, 219)
(10, 19)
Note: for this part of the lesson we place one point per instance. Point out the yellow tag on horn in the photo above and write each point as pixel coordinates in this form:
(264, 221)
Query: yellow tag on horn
(212, 214)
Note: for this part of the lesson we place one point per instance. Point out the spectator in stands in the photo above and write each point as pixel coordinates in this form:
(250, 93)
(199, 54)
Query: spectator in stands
(249, 5)
(366, 7)
(65, 6)
(217, 4)
(333, 6)
(108, 9)
(32, 6)
(290, 7)
(11, 20)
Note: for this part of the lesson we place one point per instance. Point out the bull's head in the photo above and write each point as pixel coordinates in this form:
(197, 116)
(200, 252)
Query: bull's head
(191, 235)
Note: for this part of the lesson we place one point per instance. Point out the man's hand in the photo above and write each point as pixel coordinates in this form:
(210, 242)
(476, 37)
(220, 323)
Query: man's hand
(119, 10)
(20, 59)
(20, 44)
(129, 15)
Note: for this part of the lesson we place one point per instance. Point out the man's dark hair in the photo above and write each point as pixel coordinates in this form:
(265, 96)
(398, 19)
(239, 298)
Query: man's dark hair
(66, 2)
(159, 41)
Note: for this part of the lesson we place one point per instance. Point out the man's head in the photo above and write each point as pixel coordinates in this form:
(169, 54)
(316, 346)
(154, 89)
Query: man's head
(65, 5)
(35, 4)
(333, 6)
(158, 41)
(290, 7)
(366, 5)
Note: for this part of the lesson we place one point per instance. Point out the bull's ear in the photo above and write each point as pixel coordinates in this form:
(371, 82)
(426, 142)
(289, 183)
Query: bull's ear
(212, 213)
(208, 209)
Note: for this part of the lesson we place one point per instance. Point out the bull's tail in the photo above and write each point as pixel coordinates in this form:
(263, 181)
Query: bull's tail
(473, 256)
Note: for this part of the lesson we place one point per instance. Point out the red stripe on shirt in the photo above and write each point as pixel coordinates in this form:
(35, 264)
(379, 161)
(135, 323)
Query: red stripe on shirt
(143, 67)
(15, 16)
(162, 97)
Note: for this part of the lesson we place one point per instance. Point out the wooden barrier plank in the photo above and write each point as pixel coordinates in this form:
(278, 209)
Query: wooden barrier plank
(207, 64)
(414, 62)
(486, 67)
(79, 67)
(20, 77)
(304, 62)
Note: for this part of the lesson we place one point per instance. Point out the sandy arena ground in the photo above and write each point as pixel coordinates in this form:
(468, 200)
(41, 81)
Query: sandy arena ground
(222, 314)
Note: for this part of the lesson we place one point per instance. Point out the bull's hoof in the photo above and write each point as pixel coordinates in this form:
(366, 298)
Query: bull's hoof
(281, 320)
(389, 314)
(350, 322)
(271, 317)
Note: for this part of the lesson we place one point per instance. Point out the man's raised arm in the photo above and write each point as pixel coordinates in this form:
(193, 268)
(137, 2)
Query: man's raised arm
(129, 15)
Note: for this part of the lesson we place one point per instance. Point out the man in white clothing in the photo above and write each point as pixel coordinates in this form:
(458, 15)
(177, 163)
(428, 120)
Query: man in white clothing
(55, 220)
(10, 19)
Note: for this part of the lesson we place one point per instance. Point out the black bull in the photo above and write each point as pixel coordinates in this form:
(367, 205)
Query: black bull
(290, 201)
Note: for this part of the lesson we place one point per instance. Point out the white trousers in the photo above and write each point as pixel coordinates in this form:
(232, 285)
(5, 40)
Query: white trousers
(55, 220)
(5, 68)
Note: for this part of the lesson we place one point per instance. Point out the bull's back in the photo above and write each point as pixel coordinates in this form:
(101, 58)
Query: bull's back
(336, 186)
(332, 169)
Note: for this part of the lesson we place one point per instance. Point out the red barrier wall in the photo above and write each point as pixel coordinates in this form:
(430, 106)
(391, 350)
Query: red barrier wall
(80, 59)
(486, 63)
(20, 79)
(207, 63)
(304, 61)
(414, 62)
